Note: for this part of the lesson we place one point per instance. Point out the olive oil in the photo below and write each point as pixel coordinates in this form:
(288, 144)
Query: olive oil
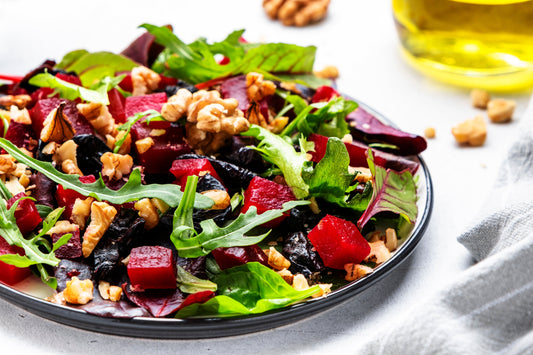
(471, 43)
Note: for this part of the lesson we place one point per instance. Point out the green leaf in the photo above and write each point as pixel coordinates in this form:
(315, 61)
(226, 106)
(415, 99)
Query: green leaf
(68, 90)
(195, 63)
(133, 190)
(247, 289)
(149, 115)
(280, 152)
(43, 210)
(183, 226)
(92, 67)
(63, 240)
(331, 180)
(189, 283)
(393, 192)
(233, 234)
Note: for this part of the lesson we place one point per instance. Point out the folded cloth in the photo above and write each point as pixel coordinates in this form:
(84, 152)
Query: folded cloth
(489, 308)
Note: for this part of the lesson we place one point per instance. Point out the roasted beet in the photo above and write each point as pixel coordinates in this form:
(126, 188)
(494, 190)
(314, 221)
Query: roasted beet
(90, 149)
(152, 267)
(10, 274)
(116, 107)
(136, 104)
(26, 213)
(68, 269)
(67, 197)
(183, 168)
(234, 256)
(72, 249)
(22, 136)
(299, 251)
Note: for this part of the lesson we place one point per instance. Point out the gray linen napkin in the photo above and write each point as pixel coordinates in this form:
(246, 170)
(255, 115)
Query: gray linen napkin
(489, 308)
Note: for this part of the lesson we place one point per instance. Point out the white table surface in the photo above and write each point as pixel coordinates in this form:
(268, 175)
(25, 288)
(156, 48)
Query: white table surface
(359, 38)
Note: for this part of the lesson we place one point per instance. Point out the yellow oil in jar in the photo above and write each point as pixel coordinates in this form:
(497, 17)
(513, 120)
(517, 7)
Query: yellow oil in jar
(471, 43)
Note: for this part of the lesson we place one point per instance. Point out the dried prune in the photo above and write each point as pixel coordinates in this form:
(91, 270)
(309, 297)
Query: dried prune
(90, 149)
(299, 250)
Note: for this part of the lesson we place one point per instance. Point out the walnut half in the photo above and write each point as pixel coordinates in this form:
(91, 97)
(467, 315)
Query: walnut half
(296, 12)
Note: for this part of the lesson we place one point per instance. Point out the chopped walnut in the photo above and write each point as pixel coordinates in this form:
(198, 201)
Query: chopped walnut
(19, 101)
(63, 227)
(471, 132)
(221, 198)
(17, 115)
(325, 289)
(111, 141)
(430, 132)
(479, 98)
(81, 210)
(160, 204)
(144, 80)
(7, 164)
(364, 175)
(177, 105)
(500, 110)
(257, 88)
(64, 155)
(102, 215)
(356, 271)
(148, 212)
(286, 275)
(276, 260)
(329, 72)
(379, 253)
(14, 175)
(57, 126)
(391, 239)
(99, 117)
(296, 12)
(56, 298)
(108, 292)
(299, 282)
(13, 185)
(115, 166)
(78, 291)
(144, 144)
(69, 167)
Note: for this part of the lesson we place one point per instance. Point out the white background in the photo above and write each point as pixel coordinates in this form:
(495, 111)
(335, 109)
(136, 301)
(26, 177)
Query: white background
(359, 38)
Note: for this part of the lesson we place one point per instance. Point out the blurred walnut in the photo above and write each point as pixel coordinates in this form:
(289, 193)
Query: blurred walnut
(144, 80)
(296, 12)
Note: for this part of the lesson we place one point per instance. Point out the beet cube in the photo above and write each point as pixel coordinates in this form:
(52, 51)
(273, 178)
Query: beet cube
(152, 267)
(338, 242)
(26, 213)
(43, 107)
(22, 135)
(168, 145)
(267, 195)
(183, 168)
(136, 104)
(116, 105)
(72, 249)
(10, 274)
(234, 256)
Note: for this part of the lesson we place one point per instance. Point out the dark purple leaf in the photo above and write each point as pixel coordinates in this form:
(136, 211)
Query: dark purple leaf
(144, 50)
(159, 303)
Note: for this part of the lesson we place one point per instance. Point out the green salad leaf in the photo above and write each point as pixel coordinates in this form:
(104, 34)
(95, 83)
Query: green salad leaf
(189, 283)
(195, 63)
(281, 152)
(70, 91)
(93, 67)
(212, 236)
(133, 190)
(247, 289)
(149, 115)
(393, 192)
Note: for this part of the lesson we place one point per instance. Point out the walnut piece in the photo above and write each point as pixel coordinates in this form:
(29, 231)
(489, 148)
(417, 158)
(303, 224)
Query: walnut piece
(16, 115)
(379, 253)
(81, 210)
(430, 133)
(356, 271)
(177, 105)
(57, 126)
(102, 215)
(78, 291)
(7, 164)
(276, 260)
(500, 110)
(144, 144)
(471, 132)
(148, 212)
(19, 101)
(115, 166)
(296, 12)
(328, 72)
(221, 198)
(144, 80)
(479, 98)
(99, 117)
(108, 292)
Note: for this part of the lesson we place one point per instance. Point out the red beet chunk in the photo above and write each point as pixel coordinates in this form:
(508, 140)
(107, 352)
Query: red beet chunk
(358, 155)
(267, 195)
(168, 145)
(69, 78)
(126, 83)
(117, 105)
(66, 197)
(72, 249)
(324, 93)
(338, 242)
(183, 168)
(136, 104)
(152, 267)
(10, 274)
(229, 257)
(22, 136)
(26, 213)
(43, 107)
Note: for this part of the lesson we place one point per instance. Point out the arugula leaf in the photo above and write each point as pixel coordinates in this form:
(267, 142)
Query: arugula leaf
(183, 226)
(195, 63)
(213, 236)
(189, 283)
(393, 192)
(133, 190)
(280, 152)
(92, 67)
(331, 180)
(247, 289)
(70, 91)
(150, 115)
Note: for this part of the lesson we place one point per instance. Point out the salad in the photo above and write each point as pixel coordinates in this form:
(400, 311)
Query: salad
(196, 180)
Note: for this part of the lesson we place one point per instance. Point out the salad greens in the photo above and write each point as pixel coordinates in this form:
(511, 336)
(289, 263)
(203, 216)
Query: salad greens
(247, 289)
(148, 115)
(213, 236)
(133, 190)
(189, 283)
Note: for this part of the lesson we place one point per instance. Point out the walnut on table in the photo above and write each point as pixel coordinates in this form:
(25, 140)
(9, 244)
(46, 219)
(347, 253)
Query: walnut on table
(296, 12)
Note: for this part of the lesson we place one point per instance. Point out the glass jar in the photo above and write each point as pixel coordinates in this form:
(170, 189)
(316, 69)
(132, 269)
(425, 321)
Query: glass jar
(471, 43)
